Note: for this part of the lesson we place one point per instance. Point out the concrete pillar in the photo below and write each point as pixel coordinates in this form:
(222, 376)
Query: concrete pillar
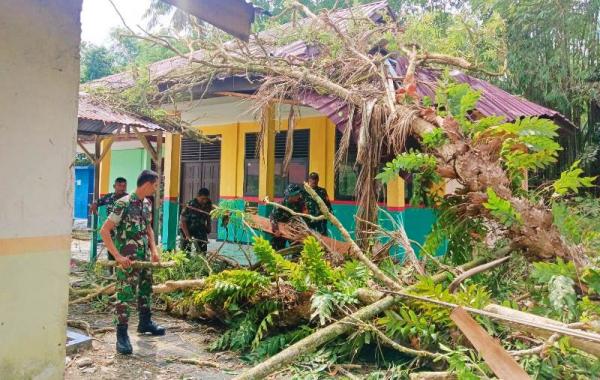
(39, 81)
(171, 190)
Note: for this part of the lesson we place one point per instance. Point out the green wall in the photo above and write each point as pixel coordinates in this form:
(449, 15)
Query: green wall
(128, 163)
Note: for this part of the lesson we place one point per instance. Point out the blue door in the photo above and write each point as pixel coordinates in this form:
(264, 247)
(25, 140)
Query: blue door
(84, 191)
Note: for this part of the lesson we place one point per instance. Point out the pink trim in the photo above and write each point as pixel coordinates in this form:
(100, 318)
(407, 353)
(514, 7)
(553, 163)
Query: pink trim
(171, 199)
(397, 208)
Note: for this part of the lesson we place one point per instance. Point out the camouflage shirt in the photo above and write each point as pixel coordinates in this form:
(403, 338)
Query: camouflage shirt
(280, 215)
(109, 200)
(313, 209)
(198, 222)
(132, 216)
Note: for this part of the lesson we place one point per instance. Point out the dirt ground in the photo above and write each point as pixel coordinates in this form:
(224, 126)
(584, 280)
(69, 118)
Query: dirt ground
(153, 357)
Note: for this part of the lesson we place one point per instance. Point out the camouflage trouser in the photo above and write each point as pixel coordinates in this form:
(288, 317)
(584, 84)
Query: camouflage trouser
(132, 283)
(200, 242)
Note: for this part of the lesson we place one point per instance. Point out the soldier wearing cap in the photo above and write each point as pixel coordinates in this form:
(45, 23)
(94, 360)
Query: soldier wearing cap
(293, 200)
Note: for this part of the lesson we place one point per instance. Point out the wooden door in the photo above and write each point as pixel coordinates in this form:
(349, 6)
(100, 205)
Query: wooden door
(197, 175)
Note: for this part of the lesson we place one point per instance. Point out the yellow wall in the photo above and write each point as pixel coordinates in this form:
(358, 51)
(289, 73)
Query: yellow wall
(321, 156)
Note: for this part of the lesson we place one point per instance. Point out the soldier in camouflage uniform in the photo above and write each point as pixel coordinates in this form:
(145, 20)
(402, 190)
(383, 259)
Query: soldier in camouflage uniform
(120, 187)
(319, 226)
(195, 222)
(131, 219)
(292, 200)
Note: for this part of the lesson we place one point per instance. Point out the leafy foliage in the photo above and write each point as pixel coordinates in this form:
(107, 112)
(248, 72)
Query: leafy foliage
(232, 286)
(273, 344)
(571, 180)
(543, 272)
(501, 209)
(461, 99)
(324, 303)
(561, 293)
(434, 139)
(96, 62)
(422, 166)
(460, 234)
(529, 143)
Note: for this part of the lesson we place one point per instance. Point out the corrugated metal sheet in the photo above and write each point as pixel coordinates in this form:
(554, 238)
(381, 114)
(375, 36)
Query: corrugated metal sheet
(493, 101)
(99, 118)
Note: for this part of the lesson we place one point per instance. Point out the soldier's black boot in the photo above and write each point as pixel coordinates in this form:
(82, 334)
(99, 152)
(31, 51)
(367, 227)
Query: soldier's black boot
(147, 326)
(123, 343)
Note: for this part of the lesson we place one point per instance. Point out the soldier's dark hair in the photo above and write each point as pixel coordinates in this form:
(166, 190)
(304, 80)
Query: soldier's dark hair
(120, 180)
(313, 175)
(203, 192)
(147, 176)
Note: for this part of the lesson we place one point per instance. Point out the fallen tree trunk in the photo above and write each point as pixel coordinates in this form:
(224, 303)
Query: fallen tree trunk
(334, 330)
(264, 224)
(582, 344)
(167, 287)
(138, 264)
(173, 286)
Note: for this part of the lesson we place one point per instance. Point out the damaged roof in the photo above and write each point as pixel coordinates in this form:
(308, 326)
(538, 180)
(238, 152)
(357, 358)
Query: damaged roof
(493, 100)
(99, 118)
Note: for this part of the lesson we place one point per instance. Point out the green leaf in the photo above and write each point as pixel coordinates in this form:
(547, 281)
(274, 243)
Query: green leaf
(501, 209)
(571, 180)
(543, 271)
(462, 99)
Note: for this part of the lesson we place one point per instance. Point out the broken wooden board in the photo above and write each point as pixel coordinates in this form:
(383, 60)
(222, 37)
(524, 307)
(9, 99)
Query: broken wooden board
(264, 224)
(496, 357)
(579, 343)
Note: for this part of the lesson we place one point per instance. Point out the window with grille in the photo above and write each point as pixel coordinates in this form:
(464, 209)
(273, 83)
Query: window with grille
(297, 169)
(193, 150)
(347, 173)
(251, 165)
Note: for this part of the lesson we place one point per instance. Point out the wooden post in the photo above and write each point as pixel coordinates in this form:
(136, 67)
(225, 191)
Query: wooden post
(157, 195)
(266, 178)
(94, 245)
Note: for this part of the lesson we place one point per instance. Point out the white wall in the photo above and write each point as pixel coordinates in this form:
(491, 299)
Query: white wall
(39, 79)
(226, 110)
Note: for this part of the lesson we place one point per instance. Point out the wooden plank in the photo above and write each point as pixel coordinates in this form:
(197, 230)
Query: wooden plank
(146, 144)
(86, 152)
(105, 151)
(94, 243)
(157, 197)
(503, 365)
(264, 224)
(582, 344)
(248, 96)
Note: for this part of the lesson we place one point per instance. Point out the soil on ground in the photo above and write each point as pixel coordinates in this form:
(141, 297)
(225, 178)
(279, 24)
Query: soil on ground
(153, 357)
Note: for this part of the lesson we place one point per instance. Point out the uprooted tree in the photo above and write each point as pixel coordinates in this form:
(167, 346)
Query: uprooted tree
(348, 57)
